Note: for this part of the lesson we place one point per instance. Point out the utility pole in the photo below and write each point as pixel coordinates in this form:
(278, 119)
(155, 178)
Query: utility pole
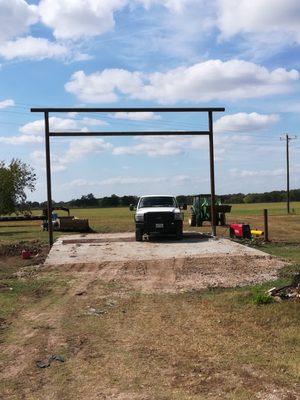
(287, 139)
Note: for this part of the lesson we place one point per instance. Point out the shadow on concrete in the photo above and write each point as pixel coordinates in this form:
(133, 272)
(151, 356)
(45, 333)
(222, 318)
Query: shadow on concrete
(188, 237)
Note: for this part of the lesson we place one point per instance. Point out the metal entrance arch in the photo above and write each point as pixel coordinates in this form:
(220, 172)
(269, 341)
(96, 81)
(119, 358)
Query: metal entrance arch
(209, 133)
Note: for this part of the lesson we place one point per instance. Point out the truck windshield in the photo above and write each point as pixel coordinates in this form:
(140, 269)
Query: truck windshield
(157, 202)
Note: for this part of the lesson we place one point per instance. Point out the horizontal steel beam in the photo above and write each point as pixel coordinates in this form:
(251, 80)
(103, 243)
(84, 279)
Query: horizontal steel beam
(143, 133)
(129, 109)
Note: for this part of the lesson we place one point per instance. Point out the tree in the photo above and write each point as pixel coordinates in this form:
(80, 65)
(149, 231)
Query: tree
(125, 201)
(89, 200)
(15, 179)
(112, 201)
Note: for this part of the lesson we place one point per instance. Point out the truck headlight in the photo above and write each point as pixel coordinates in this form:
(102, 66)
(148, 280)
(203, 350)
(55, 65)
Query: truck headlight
(178, 216)
(139, 217)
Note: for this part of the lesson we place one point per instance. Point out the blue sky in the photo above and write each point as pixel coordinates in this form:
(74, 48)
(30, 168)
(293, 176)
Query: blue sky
(232, 53)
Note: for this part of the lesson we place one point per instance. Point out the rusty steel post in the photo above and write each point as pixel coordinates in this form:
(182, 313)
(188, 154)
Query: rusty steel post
(48, 176)
(212, 174)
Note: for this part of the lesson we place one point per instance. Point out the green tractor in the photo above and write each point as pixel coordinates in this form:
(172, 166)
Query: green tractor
(201, 211)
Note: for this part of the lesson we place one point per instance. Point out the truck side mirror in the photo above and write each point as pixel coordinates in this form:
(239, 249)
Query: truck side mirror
(131, 207)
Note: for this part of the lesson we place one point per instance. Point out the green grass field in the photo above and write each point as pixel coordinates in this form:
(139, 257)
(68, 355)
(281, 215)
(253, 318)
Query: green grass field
(194, 345)
(282, 227)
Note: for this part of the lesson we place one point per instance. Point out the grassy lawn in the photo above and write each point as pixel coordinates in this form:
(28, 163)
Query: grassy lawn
(209, 344)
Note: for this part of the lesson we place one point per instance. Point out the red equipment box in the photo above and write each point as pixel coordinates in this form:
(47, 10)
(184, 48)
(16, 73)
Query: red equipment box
(240, 231)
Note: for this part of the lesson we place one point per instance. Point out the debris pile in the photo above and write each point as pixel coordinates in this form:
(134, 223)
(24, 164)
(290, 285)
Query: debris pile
(46, 363)
(289, 292)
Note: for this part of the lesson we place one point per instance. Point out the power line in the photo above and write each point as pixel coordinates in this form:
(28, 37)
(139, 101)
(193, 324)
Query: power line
(287, 139)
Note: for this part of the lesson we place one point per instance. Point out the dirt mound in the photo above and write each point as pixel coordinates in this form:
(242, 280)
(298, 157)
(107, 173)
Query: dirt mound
(14, 249)
(173, 275)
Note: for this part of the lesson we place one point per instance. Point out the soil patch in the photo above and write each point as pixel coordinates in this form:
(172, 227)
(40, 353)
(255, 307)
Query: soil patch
(163, 266)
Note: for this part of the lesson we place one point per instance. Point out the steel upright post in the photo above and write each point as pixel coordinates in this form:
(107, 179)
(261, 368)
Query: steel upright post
(48, 176)
(212, 174)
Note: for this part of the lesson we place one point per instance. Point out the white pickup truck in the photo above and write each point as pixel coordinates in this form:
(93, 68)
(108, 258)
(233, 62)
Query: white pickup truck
(158, 215)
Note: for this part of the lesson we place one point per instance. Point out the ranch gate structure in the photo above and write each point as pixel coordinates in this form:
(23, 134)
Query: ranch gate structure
(209, 133)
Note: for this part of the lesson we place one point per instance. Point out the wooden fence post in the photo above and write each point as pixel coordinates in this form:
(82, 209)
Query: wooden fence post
(266, 230)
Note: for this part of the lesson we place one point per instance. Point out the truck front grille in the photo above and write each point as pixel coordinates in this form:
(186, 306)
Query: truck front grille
(158, 217)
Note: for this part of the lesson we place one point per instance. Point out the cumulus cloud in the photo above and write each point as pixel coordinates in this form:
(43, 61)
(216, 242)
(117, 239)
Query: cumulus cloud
(230, 126)
(81, 148)
(21, 139)
(254, 174)
(6, 103)
(75, 19)
(33, 48)
(60, 124)
(77, 150)
(172, 5)
(103, 86)
(137, 116)
(206, 81)
(16, 16)
(259, 16)
(243, 122)
(85, 18)
(153, 147)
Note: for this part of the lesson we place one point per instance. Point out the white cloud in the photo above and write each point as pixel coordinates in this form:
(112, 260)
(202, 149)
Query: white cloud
(103, 86)
(172, 5)
(153, 147)
(16, 16)
(259, 16)
(254, 174)
(93, 122)
(81, 148)
(38, 127)
(39, 160)
(137, 116)
(160, 146)
(33, 48)
(60, 124)
(128, 180)
(85, 18)
(21, 139)
(243, 122)
(77, 150)
(206, 81)
(79, 18)
(6, 103)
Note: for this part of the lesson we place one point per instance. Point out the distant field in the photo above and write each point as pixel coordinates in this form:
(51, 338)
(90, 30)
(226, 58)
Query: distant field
(274, 208)
(282, 227)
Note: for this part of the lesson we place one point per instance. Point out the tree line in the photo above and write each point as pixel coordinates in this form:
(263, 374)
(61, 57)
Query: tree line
(89, 200)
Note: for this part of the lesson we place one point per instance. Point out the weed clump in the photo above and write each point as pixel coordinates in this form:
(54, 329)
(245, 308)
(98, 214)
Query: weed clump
(262, 298)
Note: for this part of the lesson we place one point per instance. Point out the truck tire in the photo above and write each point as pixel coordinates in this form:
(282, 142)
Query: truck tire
(138, 235)
(179, 235)
(192, 220)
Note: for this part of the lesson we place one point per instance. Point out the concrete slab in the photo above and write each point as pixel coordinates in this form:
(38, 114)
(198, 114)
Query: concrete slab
(94, 248)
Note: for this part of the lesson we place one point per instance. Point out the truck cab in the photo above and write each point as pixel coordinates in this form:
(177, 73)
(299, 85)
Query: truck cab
(158, 215)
